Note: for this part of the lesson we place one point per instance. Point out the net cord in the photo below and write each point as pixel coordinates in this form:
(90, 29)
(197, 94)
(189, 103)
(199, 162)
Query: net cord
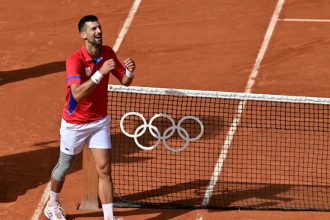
(217, 94)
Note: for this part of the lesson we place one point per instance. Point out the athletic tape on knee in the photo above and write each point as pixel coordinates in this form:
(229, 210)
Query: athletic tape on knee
(63, 166)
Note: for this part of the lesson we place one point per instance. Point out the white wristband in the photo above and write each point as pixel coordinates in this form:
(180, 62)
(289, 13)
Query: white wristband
(129, 74)
(97, 77)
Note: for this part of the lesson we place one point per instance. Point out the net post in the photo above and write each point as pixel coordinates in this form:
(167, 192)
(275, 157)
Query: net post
(90, 199)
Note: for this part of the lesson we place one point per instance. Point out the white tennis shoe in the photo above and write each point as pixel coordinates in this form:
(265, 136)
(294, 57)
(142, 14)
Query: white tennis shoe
(54, 211)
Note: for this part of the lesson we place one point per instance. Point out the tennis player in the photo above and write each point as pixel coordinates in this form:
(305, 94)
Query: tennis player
(85, 119)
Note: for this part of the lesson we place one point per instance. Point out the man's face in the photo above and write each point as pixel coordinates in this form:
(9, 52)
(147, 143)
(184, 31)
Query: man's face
(93, 33)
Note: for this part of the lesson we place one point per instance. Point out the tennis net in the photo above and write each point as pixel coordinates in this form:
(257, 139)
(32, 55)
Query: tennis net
(190, 148)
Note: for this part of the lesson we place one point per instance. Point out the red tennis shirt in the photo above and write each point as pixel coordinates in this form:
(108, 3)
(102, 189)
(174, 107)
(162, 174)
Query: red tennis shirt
(79, 68)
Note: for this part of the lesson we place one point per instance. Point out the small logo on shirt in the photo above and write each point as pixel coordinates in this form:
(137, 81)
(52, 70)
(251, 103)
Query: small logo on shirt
(97, 60)
(88, 71)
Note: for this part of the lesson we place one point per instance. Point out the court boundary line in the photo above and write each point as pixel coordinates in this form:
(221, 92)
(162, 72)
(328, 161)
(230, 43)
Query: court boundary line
(241, 105)
(41, 203)
(306, 20)
(117, 44)
(126, 25)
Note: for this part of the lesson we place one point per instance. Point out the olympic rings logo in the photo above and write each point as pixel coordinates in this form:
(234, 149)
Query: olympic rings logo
(140, 130)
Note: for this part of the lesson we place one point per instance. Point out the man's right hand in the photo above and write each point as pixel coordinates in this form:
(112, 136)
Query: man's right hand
(108, 66)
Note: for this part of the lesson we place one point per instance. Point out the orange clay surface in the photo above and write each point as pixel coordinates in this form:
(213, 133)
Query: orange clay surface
(203, 44)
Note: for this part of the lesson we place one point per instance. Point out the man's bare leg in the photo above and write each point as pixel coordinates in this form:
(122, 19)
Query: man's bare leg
(102, 158)
(56, 186)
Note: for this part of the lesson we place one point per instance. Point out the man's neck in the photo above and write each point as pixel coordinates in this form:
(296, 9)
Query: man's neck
(93, 50)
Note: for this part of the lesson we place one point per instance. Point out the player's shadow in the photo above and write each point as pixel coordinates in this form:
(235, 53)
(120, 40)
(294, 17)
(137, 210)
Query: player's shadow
(261, 196)
(11, 76)
(24, 171)
(161, 214)
(254, 195)
(263, 192)
(224, 199)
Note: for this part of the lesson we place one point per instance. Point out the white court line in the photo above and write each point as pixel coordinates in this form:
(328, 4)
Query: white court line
(241, 105)
(126, 25)
(304, 20)
(115, 47)
(41, 203)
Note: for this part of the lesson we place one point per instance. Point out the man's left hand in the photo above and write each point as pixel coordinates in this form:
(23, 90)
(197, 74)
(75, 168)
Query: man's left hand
(129, 64)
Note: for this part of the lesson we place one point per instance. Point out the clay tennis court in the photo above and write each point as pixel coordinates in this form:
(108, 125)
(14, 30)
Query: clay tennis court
(208, 45)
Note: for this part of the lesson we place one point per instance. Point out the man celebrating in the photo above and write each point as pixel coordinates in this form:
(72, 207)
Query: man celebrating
(85, 119)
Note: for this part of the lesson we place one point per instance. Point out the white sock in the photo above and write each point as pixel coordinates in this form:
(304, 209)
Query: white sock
(54, 197)
(107, 211)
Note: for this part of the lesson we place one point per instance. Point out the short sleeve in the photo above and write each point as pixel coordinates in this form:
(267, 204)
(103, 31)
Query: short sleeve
(73, 71)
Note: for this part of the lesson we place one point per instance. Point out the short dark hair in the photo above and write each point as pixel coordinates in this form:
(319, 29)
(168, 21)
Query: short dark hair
(85, 19)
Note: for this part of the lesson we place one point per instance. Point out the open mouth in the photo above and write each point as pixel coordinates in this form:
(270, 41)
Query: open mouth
(98, 37)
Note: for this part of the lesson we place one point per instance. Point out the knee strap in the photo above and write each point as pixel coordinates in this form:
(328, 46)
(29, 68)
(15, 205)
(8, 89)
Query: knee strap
(63, 166)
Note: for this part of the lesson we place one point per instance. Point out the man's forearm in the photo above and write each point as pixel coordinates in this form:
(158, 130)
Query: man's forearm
(126, 81)
(83, 90)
